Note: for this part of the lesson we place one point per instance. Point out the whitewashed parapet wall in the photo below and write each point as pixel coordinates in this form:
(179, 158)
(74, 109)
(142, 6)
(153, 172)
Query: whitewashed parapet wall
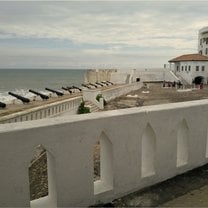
(109, 94)
(68, 106)
(144, 75)
(139, 147)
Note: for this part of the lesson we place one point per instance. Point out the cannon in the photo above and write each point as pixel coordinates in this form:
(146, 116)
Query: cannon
(67, 89)
(84, 85)
(106, 83)
(23, 99)
(2, 105)
(99, 84)
(44, 97)
(93, 85)
(55, 91)
(74, 87)
(109, 82)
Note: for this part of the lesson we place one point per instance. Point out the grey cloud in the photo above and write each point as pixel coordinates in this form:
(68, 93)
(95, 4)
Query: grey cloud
(150, 24)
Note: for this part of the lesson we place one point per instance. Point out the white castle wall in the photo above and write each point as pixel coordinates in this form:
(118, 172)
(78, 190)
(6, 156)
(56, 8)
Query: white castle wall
(129, 76)
(145, 75)
(98, 75)
(68, 106)
(139, 147)
(109, 94)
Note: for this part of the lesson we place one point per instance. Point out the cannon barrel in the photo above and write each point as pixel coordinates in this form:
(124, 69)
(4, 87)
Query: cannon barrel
(93, 85)
(70, 88)
(54, 91)
(2, 105)
(74, 87)
(109, 82)
(84, 85)
(105, 83)
(67, 89)
(44, 97)
(23, 99)
(99, 84)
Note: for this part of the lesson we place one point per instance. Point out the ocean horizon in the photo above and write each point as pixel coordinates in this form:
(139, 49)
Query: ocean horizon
(21, 80)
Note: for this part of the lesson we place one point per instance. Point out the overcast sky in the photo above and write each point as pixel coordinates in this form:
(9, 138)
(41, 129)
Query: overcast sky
(103, 34)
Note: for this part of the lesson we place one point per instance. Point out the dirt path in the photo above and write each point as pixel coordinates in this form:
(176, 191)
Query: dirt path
(187, 190)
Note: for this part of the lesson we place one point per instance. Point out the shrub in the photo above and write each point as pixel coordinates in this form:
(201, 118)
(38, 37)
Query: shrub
(82, 109)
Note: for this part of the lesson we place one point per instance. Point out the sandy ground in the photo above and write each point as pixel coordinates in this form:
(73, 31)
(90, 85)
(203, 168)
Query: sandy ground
(156, 94)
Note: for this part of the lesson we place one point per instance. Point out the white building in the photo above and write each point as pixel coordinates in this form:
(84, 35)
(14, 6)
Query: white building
(203, 41)
(191, 68)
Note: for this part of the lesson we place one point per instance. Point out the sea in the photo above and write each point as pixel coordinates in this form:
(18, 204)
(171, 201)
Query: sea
(19, 81)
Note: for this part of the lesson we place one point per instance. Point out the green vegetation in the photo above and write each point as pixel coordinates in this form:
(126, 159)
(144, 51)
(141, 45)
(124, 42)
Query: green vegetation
(82, 109)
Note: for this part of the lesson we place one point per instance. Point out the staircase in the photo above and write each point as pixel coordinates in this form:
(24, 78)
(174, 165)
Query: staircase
(183, 81)
(92, 106)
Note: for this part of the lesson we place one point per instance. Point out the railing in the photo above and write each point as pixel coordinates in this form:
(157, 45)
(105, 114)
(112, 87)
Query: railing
(69, 106)
(139, 147)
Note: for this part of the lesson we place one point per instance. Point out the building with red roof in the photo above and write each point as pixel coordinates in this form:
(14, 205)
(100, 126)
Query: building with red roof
(193, 68)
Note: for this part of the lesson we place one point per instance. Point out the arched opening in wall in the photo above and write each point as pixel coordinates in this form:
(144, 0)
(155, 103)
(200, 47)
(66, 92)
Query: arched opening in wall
(182, 144)
(103, 164)
(42, 178)
(96, 160)
(148, 152)
(198, 80)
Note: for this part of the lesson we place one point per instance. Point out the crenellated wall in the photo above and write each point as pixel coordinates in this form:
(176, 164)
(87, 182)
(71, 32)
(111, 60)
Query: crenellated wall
(139, 147)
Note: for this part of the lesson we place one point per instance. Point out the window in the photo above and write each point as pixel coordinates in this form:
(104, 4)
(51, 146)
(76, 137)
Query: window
(203, 68)
(182, 68)
(189, 68)
(200, 41)
(177, 68)
(185, 68)
(197, 68)
(206, 52)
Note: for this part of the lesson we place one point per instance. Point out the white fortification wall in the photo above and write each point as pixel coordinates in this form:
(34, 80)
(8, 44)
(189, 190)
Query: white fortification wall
(129, 76)
(139, 147)
(109, 94)
(68, 106)
(144, 75)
